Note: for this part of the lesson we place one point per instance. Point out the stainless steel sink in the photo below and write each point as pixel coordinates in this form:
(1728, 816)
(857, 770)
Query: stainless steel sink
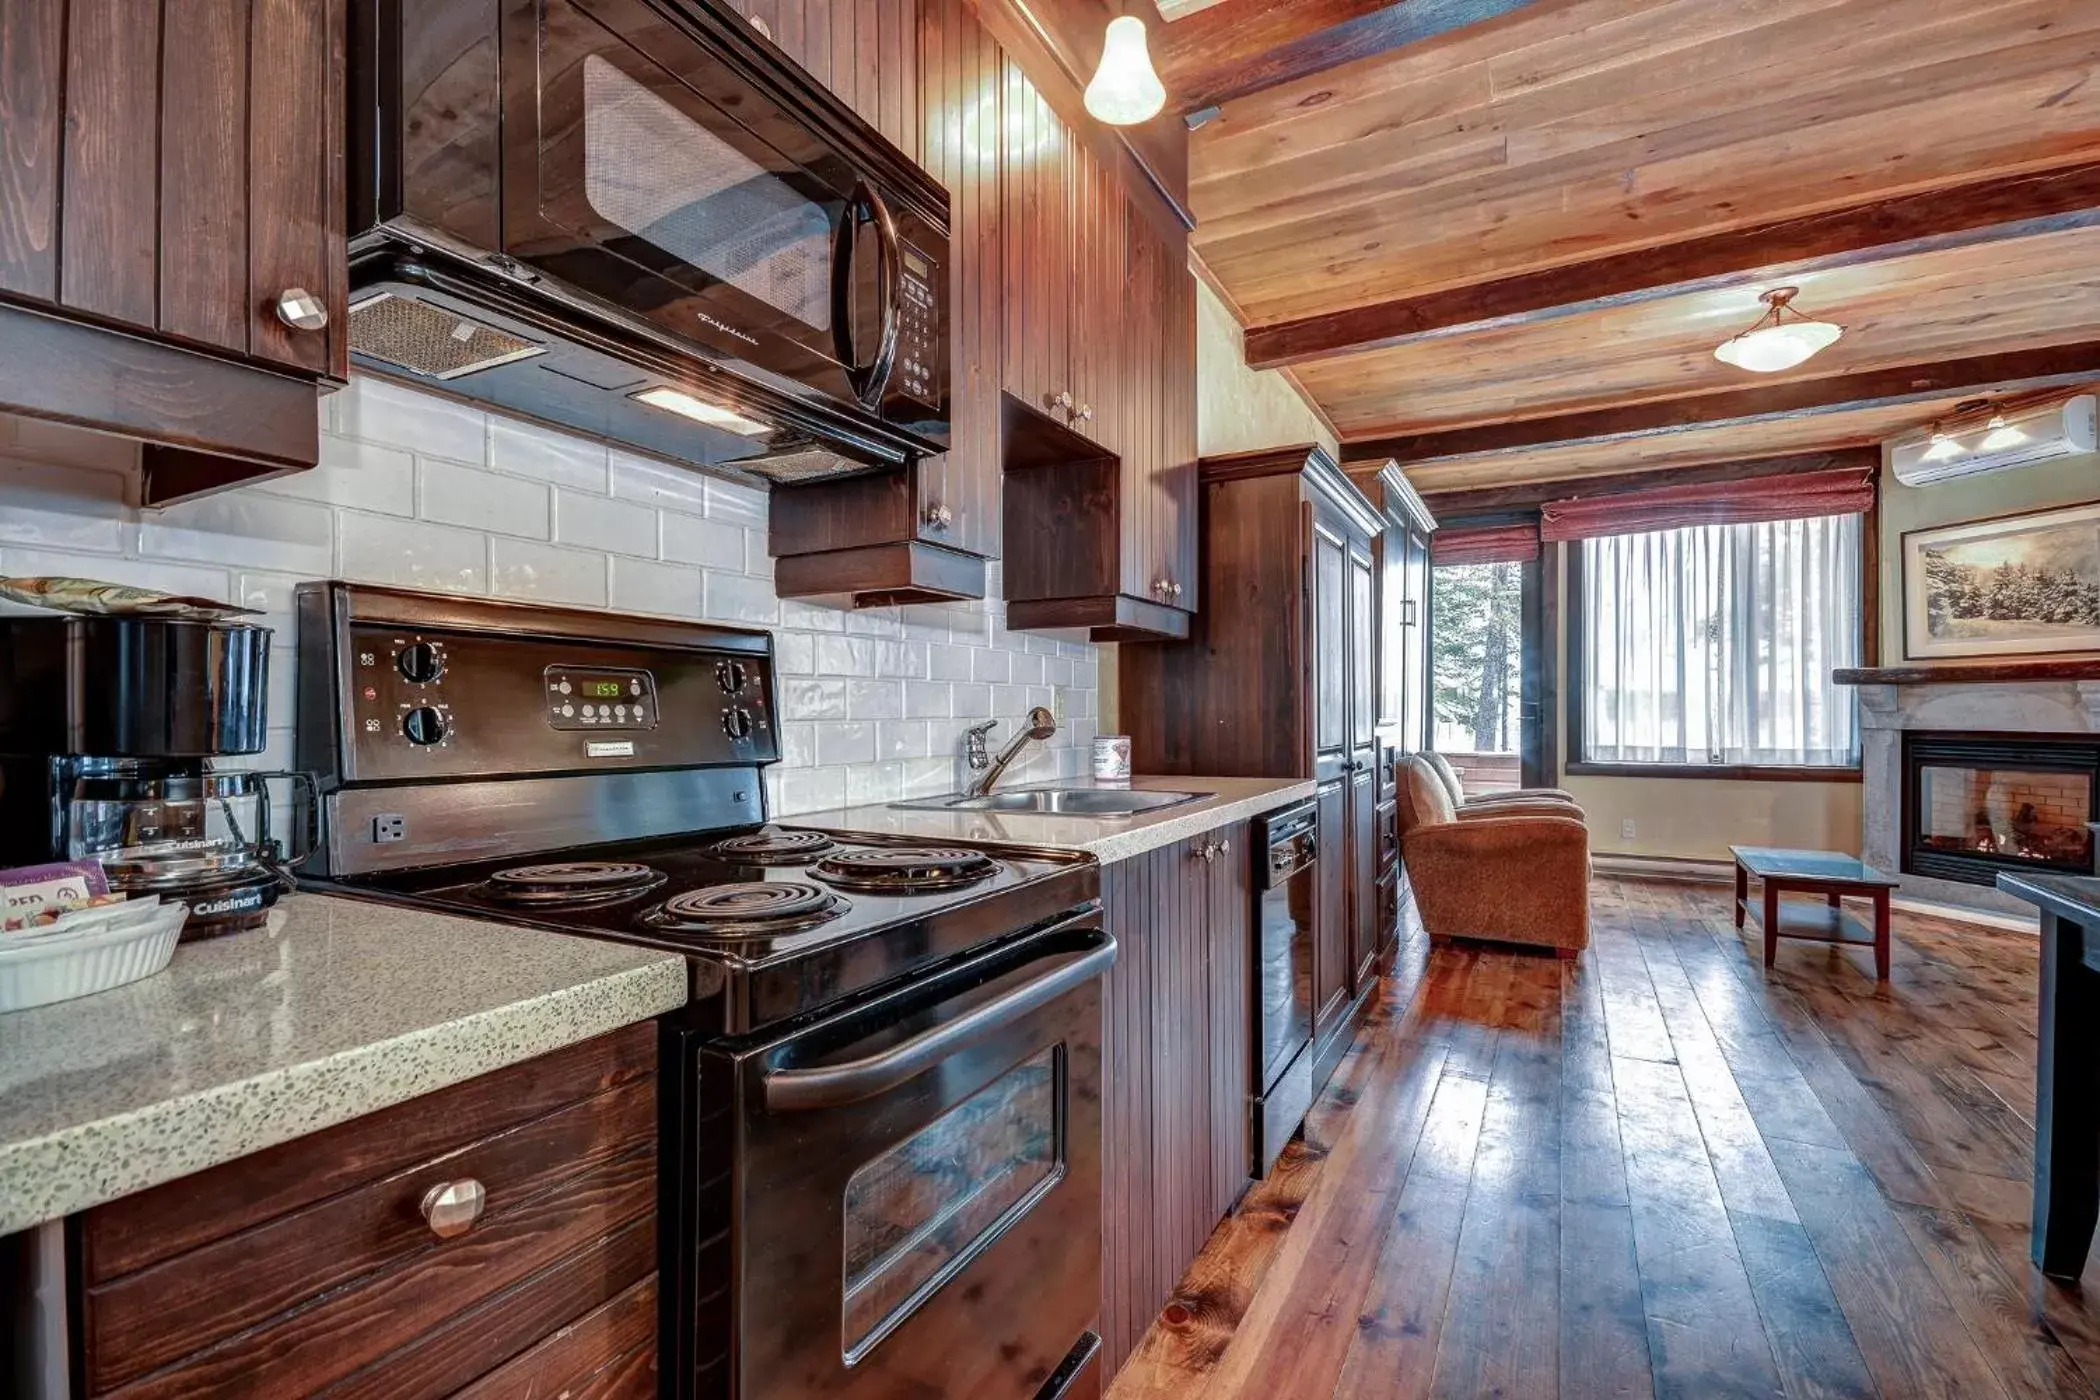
(1058, 802)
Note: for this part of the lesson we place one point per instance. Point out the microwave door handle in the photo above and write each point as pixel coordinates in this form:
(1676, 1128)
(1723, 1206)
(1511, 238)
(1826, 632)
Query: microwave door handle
(889, 276)
(842, 278)
(834, 1086)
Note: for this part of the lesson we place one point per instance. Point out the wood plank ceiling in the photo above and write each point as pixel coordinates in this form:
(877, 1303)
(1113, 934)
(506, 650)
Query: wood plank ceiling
(1559, 213)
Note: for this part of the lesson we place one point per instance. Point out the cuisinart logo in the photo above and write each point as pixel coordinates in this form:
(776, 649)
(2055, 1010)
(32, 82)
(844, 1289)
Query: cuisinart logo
(726, 328)
(232, 904)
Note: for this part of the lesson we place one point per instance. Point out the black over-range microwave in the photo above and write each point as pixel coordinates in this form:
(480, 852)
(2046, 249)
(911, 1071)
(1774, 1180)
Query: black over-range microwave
(638, 218)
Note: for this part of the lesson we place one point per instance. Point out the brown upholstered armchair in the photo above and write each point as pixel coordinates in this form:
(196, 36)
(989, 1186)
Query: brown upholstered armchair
(1513, 873)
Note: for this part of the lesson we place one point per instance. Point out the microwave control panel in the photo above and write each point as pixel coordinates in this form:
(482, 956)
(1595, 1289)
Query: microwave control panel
(920, 334)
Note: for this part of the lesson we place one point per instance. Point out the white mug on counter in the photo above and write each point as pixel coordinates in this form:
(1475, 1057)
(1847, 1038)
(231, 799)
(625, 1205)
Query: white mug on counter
(1112, 758)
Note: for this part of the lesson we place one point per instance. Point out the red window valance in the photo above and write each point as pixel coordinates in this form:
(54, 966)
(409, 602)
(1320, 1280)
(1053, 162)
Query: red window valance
(1846, 491)
(1485, 544)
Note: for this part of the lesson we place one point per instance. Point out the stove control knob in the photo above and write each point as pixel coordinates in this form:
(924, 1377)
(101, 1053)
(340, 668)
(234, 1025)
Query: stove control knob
(736, 722)
(425, 724)
(420, 662)
(732, 676)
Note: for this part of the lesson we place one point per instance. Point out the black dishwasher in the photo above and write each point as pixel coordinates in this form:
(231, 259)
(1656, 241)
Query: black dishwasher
(1283, 979)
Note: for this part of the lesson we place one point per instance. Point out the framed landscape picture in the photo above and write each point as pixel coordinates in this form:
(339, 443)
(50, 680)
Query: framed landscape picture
(2025, 583)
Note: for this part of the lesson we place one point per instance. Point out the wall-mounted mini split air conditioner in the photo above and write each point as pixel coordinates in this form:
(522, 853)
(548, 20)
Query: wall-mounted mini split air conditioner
(1997, 441)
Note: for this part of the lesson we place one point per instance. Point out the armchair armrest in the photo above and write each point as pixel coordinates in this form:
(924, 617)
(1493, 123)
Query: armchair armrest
(1534, 806)
(1522, 795)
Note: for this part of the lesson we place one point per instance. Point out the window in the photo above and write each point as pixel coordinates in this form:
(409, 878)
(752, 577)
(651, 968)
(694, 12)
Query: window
(1476, 641)
(1714, 644)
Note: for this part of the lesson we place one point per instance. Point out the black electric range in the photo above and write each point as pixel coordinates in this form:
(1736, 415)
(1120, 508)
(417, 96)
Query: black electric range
(880, 1150)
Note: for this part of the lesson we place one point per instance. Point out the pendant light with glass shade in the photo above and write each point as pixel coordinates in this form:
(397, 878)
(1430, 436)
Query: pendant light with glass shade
(1125, 89)
(1781, 339)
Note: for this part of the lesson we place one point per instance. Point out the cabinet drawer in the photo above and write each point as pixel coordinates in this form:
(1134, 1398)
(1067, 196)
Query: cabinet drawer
(338, 1290)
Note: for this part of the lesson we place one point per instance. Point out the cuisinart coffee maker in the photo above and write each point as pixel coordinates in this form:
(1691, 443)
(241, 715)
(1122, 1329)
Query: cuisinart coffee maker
(108, 729)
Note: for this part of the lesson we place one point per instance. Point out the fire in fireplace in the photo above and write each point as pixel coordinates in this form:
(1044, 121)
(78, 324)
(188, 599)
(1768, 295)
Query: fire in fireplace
(1973, 807)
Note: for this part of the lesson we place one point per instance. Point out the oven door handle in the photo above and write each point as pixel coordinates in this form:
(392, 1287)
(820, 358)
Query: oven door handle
(833, 1086)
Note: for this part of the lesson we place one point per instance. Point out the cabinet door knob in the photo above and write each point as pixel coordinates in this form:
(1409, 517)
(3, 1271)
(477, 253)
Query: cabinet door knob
(451, 1207)
(1062, 399)
(1224, 848)
(1174, 589)
(1084, 413)
(301, 310)
(939, 517)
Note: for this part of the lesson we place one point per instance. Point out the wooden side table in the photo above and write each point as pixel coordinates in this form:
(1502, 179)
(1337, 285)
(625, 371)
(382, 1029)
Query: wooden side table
(1831, 874)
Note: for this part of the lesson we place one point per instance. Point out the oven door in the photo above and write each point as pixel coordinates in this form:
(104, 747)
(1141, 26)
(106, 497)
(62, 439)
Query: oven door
(642, 168)
(919, 1190)
(1283, 997)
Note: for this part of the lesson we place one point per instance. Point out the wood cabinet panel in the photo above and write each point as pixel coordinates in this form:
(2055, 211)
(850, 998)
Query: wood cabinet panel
(607, 1354)
(323, 1275)
(1180, 1045)
(1363, 879)
(1330, 699)
(204, 176)
(108, 218)
(32, 57)
(1331, 937)
(295, 162)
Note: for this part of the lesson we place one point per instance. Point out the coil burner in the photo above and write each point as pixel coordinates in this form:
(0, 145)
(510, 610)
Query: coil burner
(582, 884)
(758, 909)
(774, 847)
(905, 869)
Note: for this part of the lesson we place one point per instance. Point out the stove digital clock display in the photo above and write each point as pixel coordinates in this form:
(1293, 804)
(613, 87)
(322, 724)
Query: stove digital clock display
(600, 699)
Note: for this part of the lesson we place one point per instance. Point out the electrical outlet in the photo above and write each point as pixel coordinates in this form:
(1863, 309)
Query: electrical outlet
(388, 827)
(1626, 829)
(1058, 709)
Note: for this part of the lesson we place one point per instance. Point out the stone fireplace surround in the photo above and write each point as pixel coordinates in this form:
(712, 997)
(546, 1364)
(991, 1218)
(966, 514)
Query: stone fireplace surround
(2011, 697)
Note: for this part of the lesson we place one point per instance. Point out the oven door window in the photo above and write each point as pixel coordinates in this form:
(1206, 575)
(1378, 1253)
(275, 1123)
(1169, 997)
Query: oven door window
(918, 1212)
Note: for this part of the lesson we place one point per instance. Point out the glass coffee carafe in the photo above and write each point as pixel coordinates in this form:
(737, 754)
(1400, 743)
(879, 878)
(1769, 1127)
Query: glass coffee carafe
(179, 829)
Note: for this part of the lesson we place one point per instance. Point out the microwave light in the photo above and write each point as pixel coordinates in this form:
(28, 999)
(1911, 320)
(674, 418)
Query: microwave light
(701, 411)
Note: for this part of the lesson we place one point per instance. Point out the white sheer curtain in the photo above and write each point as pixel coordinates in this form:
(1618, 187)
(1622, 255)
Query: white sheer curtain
(1715, 644)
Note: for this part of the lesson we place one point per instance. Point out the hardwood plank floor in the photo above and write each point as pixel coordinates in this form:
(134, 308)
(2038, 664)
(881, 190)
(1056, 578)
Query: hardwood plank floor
(1653, 1170)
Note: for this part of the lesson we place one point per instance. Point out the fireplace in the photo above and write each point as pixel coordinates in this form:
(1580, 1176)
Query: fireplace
(1975, 806)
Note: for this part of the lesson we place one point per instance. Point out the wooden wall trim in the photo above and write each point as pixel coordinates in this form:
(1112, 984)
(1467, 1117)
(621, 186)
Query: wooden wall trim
(1991, 210)
(2056, 366)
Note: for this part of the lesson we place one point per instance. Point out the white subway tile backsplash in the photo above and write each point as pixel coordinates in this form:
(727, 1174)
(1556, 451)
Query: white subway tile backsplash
(658, 485)
(61, 507)
(688, 539)
(373, 410)
(360, 475)
(479, 500)
(845, 742)
(600, 523)
(736, 505)
(671, 589)
(525, 450)
(269, 532)
(875, 699)
(381, 549)
(746, 601)
(872, 703)
(548, 573)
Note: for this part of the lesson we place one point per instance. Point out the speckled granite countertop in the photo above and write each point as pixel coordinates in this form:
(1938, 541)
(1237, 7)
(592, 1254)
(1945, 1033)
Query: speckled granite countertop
(1106, 839)
(340, 1008)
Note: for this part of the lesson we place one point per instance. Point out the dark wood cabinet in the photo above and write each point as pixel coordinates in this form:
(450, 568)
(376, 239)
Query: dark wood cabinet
(1179, 1050)
(1279, 678)
(172, 259)
(330, 1264)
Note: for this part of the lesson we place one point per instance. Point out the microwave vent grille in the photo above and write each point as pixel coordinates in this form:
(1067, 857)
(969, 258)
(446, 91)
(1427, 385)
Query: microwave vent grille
(810, 464)
(431, 340)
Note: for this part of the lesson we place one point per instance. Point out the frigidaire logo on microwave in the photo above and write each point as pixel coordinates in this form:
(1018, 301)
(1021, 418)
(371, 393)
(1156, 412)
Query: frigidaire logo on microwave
(726, 328)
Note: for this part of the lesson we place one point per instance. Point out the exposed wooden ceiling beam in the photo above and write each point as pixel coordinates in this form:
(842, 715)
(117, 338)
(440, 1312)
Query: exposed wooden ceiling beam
(1984, 211)
(2058, 366)
(1240, 46)
(1485, 500)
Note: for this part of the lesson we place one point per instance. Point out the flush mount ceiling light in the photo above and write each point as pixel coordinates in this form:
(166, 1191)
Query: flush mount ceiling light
(1125, 90)
(700, 411)
(1781, 339)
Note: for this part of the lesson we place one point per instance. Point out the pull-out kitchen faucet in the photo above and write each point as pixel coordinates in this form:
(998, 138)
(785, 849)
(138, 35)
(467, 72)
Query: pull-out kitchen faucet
(1041, 725)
